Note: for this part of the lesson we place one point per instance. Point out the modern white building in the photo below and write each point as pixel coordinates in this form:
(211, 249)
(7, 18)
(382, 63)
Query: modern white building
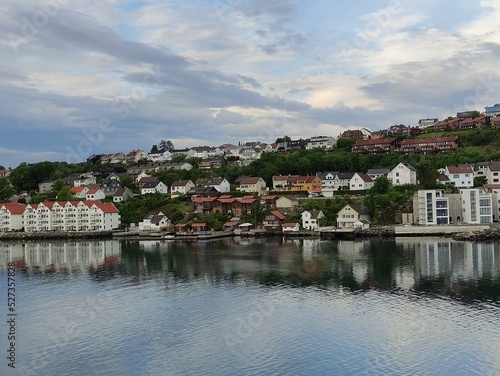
(431, 207)
(477, 206)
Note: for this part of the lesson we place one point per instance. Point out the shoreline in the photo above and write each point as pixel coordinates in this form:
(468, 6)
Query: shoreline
(457, 232)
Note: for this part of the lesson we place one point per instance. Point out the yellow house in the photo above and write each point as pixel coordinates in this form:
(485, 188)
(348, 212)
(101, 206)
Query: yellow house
(307, 183)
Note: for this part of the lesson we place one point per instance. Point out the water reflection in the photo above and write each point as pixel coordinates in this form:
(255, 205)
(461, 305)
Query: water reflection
(462, 270)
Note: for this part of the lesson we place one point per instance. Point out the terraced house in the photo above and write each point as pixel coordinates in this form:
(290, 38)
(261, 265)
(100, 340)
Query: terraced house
(59, 216)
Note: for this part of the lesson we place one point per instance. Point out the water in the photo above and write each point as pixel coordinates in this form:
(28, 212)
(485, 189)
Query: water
(254, 307)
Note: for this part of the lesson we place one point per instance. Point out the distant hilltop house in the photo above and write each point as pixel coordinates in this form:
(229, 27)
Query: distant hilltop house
(205, 152)
(417, 145)
(323, 142)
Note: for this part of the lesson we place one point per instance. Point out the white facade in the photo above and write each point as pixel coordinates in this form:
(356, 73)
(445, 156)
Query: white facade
(477, 206)
(160, 157)
(290, 227)
(63, 216)
(327, 180)
(84, 180)
(431, 207)
(323, 142)
(493, 173)
(154, 222)
(205, 152)
(460, 176)
(181, 187)
(151, 188)
(11, 217)
(360, 182)
(402, 174)
(310, 219)
(94, 195)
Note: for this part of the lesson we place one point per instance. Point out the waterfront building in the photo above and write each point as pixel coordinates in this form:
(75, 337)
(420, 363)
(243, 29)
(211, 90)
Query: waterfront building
(59, 216)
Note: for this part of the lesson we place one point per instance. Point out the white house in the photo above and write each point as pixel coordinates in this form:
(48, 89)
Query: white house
(351, 213)
(461, 176)
(493, 173)
(324, 142)
(342, 180)
(360, 181)
(11, 216)
(154, 221)
(141, 175)
(94, 194)
(181, 187)
(252, 184)
(310, 218)
(83, 180)
(160, 156)
(153, 187)
(374, 173)
(327, 179)
(122, 194)
(403, 174)
(290, 227)
(221, 184)
(79, 192)
(205, 152)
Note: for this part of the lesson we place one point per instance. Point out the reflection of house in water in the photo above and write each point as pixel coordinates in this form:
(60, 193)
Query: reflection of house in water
(351, 255)
(70, 255)
(459, 260)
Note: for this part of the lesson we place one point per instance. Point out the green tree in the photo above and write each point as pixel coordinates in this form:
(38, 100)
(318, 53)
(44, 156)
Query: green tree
(166, 145)
(345, 144)
(6, 190)
(154, 149)
(381, 186)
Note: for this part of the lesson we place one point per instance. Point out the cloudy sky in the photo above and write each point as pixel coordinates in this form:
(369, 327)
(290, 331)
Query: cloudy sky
(90, 76)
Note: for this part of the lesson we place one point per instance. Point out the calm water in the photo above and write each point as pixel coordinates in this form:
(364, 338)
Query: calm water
(254, 307)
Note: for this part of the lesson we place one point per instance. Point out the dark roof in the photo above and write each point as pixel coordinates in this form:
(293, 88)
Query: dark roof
(345, 175)
(378, 171)
(158, 218)
(360, 208)
(314, 213)
(322, 175)
(180, 183)
(152, 184)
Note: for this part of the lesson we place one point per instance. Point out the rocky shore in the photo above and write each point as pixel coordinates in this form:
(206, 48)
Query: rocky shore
(383, 232)
(55, 235)
(489, 234)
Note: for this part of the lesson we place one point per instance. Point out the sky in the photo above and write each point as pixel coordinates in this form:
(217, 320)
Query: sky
(85, 77)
